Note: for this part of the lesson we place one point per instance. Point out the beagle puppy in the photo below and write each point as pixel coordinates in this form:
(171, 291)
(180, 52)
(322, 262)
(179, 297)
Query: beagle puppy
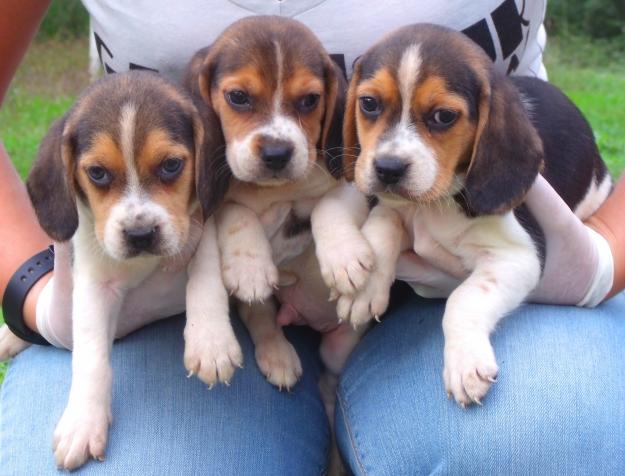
(280, 101)
(126, 176)
(450, 147)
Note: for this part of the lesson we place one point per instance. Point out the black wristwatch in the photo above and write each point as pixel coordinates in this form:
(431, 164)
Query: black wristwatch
(16, 291)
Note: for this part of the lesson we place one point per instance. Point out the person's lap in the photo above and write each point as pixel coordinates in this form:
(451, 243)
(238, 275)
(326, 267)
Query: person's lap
(164, 423)
(558, 406)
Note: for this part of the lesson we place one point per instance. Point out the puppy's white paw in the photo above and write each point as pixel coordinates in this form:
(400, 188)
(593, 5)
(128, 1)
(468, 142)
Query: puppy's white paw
(10, 344)
(370, 302)
(249, 276)
(470, 368)
(81, 434)
(278, 361)
(211, 353)
(345, 266)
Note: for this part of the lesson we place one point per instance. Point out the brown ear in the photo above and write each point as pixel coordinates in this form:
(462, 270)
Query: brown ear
(507, 152)
(193, 72)
(351, 147)
(50, 183)
(331, 140)
(212, 174)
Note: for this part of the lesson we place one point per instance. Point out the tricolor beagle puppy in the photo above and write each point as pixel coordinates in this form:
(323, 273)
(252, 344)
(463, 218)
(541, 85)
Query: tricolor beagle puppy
(450, 148)
(280, 101)
(121, 175)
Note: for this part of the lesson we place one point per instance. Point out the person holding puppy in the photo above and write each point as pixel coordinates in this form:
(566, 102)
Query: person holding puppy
(568, 362)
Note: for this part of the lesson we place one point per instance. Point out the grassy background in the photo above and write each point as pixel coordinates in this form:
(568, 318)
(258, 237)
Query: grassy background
(592, 73)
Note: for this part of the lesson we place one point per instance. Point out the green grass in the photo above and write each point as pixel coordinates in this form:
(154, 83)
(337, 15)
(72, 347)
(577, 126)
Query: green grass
(54, 72)
(592, 74)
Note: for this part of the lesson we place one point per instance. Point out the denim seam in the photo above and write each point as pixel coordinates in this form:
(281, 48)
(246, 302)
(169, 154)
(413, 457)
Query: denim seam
(352, 439)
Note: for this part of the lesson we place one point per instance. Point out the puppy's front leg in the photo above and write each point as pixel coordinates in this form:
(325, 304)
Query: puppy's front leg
(501, 280)
(211, 349)
(345, 257)
(247, 264)
(275, 356)
(83, 429)
(384, 232)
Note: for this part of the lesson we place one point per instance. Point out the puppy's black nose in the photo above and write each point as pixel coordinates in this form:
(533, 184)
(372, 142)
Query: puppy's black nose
(276, 155)
(141, 239)
(389, 170)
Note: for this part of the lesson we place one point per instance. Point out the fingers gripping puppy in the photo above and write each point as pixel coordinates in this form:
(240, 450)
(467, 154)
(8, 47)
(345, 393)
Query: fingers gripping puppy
(116, 176)
(451, 147)
(279, 100)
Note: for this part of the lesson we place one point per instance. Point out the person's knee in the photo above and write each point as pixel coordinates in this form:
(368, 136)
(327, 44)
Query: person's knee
(557, 407)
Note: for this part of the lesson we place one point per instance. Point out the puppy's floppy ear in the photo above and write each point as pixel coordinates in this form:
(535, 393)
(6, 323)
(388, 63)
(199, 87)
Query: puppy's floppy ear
(507, 152)
(194, 80)
(50, 183)
(331, 141)
(212, 174)
(351, 146)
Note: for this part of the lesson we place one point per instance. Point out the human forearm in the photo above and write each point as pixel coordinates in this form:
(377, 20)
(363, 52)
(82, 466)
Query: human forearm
(609, 221)
(21, 234)
(19, 21)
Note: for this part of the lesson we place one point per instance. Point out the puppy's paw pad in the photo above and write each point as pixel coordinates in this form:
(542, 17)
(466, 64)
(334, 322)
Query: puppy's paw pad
(470, 370)
(279, 362)
(346, 267)
(80, 435)
(10, 344)
(212, 355)
(249, 277)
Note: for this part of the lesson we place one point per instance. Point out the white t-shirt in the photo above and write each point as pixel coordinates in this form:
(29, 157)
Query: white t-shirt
(163, 35)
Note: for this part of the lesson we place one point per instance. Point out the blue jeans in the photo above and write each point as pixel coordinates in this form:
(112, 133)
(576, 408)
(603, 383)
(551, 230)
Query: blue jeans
(558, 407)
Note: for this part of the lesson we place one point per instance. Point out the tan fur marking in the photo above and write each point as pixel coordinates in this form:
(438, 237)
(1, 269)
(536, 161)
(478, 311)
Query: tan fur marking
(104, 152)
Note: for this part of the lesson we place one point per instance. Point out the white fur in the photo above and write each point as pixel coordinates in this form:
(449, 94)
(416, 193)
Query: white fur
(211, 348)
(404, 141)
(102, 276)
(596, 195)
(344, 255)
(248, 167)
(250, 272)
(504, 268)
(136, 209)
(100, 284)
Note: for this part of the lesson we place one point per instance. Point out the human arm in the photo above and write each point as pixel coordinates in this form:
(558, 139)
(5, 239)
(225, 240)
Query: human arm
(581, 261)
(609, 222)
(21, 234)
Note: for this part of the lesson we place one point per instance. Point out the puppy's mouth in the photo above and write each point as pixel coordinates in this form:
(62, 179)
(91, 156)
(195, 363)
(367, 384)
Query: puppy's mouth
(272, 181)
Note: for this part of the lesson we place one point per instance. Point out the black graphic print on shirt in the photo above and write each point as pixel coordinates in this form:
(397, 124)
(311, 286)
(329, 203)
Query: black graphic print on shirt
(511, 29)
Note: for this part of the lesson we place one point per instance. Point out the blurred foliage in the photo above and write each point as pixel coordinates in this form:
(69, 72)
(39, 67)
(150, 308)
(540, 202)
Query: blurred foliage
(593, 18)
(65, 19)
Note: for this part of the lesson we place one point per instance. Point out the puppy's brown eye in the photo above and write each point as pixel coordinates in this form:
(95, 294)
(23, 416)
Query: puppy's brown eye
(442, 119)
(307, 103)
(170, 168)
(239, 100)
(99, 176)
(370, 106)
